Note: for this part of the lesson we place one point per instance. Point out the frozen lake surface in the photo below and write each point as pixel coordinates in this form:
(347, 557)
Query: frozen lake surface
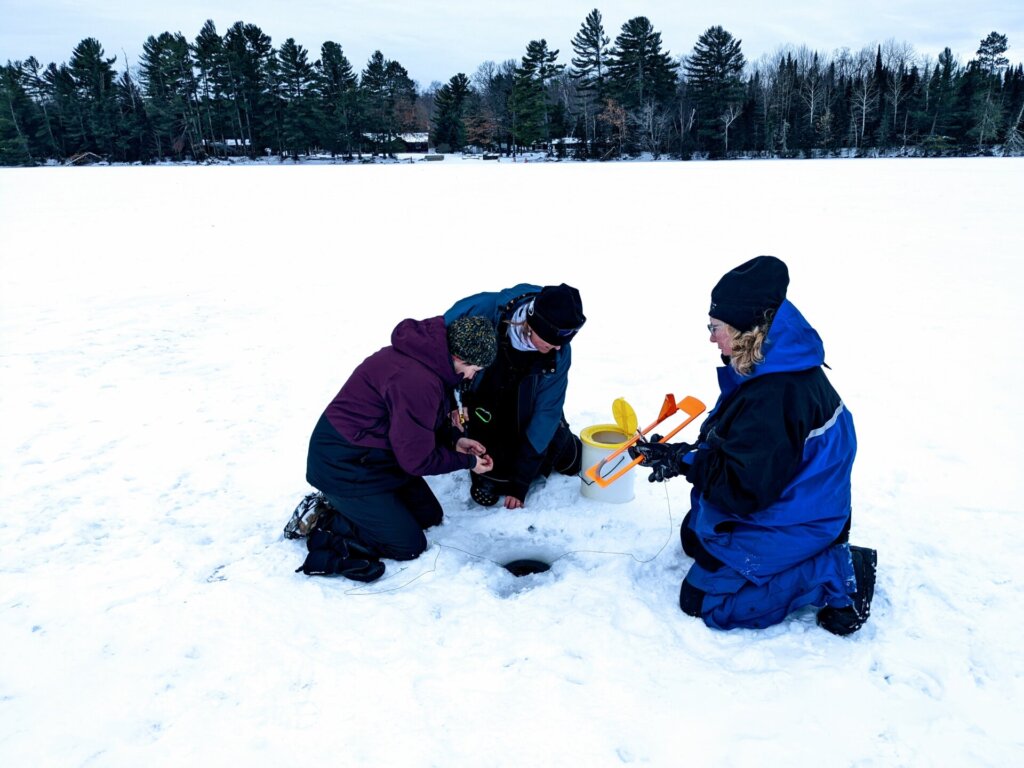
(170, 335)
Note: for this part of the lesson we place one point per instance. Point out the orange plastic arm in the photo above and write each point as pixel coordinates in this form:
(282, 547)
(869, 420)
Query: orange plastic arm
(690, 406)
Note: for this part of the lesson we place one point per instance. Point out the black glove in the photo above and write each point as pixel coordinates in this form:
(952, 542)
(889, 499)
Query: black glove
(665, 460)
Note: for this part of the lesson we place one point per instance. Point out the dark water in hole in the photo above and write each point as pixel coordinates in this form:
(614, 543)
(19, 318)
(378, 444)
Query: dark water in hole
(526, 567)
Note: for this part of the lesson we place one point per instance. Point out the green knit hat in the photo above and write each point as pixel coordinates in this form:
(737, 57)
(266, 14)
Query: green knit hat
(474, 340)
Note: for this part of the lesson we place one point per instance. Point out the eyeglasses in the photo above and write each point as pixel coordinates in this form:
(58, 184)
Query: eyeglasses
(713, 328)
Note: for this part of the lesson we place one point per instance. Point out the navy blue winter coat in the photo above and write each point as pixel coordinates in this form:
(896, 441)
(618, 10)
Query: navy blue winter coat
(771, 485)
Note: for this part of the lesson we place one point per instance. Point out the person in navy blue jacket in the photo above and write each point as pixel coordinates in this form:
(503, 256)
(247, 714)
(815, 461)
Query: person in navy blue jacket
(770, 509)
(515, 406)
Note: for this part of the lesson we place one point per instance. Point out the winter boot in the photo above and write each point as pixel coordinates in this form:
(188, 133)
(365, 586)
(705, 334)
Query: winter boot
(483, 491)
(304, 518)
(332, 554)
(691, 599)
(846, 621)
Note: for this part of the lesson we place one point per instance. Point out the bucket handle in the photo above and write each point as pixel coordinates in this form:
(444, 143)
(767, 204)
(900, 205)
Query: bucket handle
(601, 464)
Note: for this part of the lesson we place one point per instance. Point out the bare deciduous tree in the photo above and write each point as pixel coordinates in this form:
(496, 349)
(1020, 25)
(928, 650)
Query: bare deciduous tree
(731, 114)
(864, 99)
(813, 85)
(898, 58)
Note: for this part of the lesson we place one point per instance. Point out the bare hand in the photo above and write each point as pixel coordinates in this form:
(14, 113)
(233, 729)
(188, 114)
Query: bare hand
(466, 445)
(511, 502)
(484, 463)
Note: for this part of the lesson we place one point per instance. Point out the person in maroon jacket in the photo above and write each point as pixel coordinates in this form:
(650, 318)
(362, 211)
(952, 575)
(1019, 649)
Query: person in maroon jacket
(382, 433)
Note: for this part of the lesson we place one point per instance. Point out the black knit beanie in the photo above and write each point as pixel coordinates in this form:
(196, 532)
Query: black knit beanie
(557, 314)
(745, 293)
(473, 339)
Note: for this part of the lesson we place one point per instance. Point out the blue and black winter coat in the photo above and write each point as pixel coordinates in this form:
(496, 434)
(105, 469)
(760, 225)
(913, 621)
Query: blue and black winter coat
(771, 478)
(527, 389)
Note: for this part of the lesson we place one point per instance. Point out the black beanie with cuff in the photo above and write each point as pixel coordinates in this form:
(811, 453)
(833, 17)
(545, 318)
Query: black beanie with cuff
(744, 294)
(557, 314)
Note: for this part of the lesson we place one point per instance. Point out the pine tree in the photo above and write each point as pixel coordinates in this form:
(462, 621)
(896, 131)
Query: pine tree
(15, 107)
(590, 44)
(374, 86)
(990, 53)
(449, 126)
(213, 85)
(93, 77)
(403, 96)
(714, 73)
(988, 108)
(136, 134)
(526, 109)
(390, 97)
(170, 87)
(589, 69)
(530, 104)
(64, 108)
(967, 91)
(337, 84)
(34, 83)
(295, 88)
(943, 90)
(249, 65)
(640, 72)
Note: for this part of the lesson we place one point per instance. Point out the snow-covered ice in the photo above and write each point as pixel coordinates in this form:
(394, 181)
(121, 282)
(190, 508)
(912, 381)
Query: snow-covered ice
(169, 336)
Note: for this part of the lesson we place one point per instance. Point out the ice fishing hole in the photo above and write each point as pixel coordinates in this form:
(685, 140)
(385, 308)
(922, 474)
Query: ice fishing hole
(526, 566)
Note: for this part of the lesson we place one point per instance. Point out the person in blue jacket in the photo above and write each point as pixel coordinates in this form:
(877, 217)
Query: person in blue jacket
(514, 407)
(770, 509)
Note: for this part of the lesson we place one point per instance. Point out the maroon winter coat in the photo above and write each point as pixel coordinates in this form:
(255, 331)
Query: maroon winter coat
(383, 424)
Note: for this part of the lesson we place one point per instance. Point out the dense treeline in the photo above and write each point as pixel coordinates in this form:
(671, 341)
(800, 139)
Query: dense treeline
(235, 93)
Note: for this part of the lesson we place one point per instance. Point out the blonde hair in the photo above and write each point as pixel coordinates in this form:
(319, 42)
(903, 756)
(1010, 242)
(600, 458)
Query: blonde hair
(748, 346)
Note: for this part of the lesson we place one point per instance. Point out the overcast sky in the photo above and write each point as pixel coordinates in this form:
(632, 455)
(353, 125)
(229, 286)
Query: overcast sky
(433, 41)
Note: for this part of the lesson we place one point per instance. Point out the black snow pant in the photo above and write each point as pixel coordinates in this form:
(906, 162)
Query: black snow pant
(389, 524)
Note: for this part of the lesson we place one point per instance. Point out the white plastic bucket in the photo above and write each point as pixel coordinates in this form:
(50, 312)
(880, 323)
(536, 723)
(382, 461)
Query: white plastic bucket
(599, 442)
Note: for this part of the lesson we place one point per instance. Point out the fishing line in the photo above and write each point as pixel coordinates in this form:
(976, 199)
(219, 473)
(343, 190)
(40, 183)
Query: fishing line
(360, 591)
(652, 558)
